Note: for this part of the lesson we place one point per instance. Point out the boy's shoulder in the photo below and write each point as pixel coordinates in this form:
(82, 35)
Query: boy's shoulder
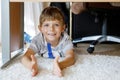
(65, 35)
(39, 36)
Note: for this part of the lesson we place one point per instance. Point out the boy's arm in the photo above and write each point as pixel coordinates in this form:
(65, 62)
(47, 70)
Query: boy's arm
(26, 59)
(30, 62)
(69, 59)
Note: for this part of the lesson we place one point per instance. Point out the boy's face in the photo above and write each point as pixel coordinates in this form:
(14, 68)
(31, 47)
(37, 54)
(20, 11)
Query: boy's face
(52, 30)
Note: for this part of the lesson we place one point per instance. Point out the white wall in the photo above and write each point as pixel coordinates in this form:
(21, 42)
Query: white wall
(0, 21)
(32, 12)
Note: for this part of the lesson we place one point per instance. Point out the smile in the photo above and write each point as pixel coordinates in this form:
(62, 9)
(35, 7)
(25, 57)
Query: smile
(52, 34)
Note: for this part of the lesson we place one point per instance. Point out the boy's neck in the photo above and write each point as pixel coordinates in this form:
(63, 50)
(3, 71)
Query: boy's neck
(54, 44)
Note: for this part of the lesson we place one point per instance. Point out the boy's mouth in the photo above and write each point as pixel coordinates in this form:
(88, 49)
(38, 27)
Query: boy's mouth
(51, 34)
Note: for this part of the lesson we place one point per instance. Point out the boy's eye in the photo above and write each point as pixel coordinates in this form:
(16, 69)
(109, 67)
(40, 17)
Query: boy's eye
(57, 25)
(46, 25)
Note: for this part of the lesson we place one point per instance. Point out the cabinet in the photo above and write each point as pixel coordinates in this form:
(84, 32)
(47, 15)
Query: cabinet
(12, 30)
(16, 25)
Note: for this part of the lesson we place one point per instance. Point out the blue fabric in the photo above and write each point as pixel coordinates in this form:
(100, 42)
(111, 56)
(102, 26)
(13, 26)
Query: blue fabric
(27, 38)
(50, 51)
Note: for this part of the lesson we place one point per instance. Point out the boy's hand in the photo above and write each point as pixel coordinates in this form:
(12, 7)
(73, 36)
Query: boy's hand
(56, 69)
(34, 67)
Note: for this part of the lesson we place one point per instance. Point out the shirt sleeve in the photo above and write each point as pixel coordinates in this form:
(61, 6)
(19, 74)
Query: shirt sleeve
(33, 46)
(67, 46)
(66, 43)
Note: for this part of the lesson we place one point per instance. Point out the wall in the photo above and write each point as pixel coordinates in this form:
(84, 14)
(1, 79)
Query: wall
(0, 21)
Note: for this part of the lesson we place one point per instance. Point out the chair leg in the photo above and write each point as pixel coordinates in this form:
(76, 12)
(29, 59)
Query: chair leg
(113, 39)
(75, 44)
(91, 48)
(89, 38)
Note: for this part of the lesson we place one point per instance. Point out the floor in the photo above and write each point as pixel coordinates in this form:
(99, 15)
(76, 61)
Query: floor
(112, 49)
(101, 49)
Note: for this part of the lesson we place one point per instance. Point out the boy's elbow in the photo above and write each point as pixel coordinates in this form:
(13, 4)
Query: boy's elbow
(73, 60)
(22, 59)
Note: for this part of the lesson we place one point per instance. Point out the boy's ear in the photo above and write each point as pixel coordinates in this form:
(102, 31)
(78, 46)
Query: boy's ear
(64, 26)
(39, 27)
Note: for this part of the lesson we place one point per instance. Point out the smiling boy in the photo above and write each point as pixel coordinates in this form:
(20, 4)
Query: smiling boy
(52, 31)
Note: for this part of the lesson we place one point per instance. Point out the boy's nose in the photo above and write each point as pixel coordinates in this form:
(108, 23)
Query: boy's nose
(52, 28)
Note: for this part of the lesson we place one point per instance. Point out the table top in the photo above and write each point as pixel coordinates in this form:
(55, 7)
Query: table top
(66, 0)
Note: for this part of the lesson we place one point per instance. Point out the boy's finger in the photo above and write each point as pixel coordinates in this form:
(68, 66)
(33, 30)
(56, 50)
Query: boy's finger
(58, 73)
(57, 58)
(34, 72)
(33, 58)
(32, 66)
(33, 62)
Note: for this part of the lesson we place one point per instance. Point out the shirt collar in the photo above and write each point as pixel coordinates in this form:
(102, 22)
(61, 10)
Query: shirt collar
(51, 46)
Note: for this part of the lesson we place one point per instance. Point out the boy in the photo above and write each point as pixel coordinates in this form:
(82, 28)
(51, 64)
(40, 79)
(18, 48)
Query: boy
(53, 40)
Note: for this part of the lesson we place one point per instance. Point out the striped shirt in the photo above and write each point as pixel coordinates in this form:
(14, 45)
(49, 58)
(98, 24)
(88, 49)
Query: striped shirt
(39, 45)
